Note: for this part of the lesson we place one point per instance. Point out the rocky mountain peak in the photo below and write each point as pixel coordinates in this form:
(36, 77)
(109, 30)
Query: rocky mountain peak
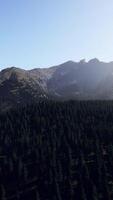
(70, 80)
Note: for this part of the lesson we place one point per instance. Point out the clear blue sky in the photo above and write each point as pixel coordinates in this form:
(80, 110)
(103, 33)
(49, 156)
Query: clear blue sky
(41, 33)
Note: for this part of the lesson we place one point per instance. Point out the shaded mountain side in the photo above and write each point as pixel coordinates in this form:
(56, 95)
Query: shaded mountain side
(71, 80)
(17, 87)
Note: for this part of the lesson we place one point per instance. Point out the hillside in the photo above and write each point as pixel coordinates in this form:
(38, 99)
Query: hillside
(71, 80)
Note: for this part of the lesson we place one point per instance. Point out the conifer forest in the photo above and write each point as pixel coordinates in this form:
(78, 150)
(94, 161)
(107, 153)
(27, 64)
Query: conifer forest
(57, 151)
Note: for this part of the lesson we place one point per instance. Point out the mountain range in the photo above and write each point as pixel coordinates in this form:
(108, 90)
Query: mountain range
(71, 80)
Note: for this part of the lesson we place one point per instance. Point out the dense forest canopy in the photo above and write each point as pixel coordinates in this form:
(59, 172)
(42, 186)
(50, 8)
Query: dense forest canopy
(57, 151)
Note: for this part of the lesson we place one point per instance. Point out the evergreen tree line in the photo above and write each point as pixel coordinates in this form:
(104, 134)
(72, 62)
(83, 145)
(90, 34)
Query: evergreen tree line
(57, 151)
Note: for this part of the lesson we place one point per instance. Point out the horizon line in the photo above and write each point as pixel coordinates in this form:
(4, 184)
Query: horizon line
(68, 61)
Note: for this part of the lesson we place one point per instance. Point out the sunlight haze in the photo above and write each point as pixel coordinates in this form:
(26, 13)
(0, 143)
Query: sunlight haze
(42, 33)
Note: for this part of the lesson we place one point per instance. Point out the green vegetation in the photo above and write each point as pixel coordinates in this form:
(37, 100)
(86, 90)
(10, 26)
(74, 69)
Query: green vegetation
(57, 151)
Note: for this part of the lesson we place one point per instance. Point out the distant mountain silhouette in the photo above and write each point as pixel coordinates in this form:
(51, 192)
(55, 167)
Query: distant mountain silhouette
(71, 80)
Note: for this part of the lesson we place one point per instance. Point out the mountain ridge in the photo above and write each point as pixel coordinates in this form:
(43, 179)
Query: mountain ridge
(70, 80)
(65, 62)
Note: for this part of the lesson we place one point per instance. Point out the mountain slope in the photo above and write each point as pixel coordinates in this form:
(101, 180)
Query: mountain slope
(70, 80)
(18, 86)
